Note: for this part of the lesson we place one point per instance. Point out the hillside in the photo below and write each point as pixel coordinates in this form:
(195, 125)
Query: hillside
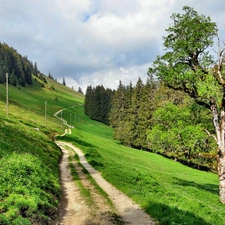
(29, 172)
(167, 190)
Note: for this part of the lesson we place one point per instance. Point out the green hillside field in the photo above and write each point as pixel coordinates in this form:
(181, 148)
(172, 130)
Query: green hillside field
(29, 174)
(29, 171)
(167, 190)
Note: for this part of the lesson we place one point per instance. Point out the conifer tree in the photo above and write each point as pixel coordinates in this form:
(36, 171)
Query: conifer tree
(64, 82)
(80, 90)
(136, 104)
(88, 100)
(117, 110)
(147, 107)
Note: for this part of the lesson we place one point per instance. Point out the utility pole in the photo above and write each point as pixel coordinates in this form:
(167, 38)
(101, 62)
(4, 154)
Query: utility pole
(61, 119)
(45, 112)
(7, 94)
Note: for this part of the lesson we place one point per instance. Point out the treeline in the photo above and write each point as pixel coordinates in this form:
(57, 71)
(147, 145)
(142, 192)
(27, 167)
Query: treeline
(155, 118)
(18, 67)
(97, 103)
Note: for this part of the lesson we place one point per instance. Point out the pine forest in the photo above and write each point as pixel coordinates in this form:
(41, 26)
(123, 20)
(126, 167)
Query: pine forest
(152, 117)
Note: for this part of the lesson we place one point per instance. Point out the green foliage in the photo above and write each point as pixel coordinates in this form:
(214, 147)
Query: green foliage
(97, 103)
(175, 134)
(168, 191)
(19, 68)
(185, 65)
(29, 173)
(131, 113)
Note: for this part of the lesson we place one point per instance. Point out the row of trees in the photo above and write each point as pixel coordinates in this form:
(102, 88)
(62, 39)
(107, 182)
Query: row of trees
(97, 103)
(155, 118)
(19, 68)
(131, 113)
(188, 67)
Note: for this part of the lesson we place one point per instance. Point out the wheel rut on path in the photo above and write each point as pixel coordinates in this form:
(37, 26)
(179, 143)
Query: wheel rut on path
(75, 210)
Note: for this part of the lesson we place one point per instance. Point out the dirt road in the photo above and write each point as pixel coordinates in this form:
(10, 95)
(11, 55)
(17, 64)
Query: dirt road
(75, 210)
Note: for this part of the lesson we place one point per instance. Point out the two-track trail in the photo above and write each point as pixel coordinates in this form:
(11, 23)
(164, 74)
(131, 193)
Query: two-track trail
(76, 210)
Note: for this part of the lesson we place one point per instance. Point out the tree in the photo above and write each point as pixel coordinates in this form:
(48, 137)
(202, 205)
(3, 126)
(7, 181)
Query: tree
(50, 75)
(88, 100)
(80, 90)
(178, 134)
(64, 82)
(188, 66)
(147, 107)
(137, 97)
(35, 69)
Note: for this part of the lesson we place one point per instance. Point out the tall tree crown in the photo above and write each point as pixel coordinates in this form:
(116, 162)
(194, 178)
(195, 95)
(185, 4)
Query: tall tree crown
(186, 63)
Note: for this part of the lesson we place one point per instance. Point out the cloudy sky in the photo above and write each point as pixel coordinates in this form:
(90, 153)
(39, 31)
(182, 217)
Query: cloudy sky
(92, 42)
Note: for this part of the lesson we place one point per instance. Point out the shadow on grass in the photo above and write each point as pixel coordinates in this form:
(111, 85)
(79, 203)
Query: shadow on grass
(73, 139)
(206, 187)
(168, 215)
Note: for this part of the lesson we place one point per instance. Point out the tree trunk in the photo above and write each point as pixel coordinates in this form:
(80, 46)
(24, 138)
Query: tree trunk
(221, 174)
(219, 125)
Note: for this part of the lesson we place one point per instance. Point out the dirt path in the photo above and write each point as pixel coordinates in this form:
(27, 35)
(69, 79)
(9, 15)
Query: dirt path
(74, 209)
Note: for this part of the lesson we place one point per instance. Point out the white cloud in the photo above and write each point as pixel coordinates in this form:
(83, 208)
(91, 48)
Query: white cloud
(110, 78)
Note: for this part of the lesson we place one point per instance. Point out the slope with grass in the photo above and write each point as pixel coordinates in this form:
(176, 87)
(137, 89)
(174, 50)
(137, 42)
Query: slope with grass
(29, 173)
(169, 191)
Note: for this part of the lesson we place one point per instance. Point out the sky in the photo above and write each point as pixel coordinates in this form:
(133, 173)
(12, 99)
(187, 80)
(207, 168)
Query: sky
(95, 42)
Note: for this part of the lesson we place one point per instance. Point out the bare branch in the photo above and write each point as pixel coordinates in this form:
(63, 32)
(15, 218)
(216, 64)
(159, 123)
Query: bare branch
(218, 72)
(210, 135)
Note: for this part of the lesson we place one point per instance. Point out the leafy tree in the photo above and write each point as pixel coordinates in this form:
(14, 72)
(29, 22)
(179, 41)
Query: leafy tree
(176, 133)
(188, 66)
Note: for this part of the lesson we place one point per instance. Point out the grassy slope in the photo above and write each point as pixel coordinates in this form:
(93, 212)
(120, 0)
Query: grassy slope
(170, 192)
(29, 176)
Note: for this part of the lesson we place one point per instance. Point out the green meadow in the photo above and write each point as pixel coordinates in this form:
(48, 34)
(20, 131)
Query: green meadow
(29, 174)
(29, 171)
(167, 190)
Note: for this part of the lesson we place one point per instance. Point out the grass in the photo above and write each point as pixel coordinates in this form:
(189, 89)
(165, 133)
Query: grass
(29, 175)
(85, 193)
(94, 183)
(29, 172)
(168, 191)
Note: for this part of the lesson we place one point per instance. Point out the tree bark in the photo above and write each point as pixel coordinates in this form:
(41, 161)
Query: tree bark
(221, 174)
(219, 124)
